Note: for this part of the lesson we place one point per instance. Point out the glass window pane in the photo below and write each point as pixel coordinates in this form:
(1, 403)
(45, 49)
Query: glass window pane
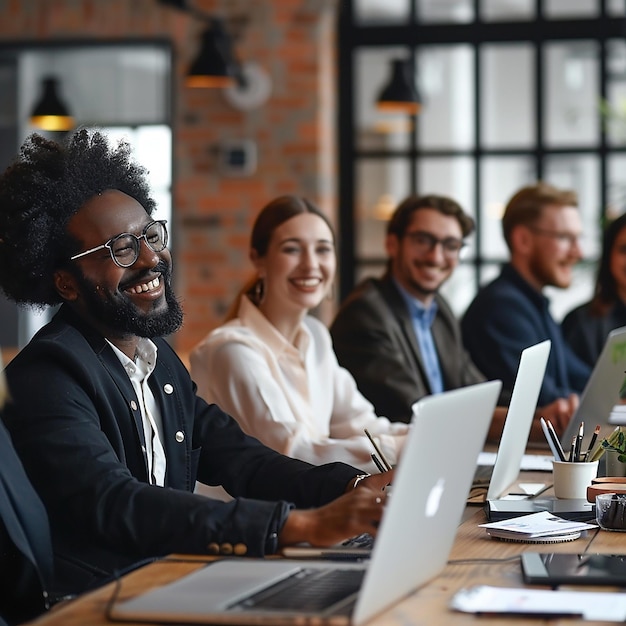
(613, 110)
(496, 10)
(581, 173)
(571, 93)
(488, 272)
(381, 184)
(616, 8)
(507, 110)
(500, 178)
(460, 11)
(616, 185)
(376, 130)
(371, 12)
(557, 9)
(127, 84)
(152, 147)
(448, 176)
(446, 80)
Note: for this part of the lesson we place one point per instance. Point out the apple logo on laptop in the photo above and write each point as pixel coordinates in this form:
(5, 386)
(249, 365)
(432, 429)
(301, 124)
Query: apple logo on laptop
(434, 497)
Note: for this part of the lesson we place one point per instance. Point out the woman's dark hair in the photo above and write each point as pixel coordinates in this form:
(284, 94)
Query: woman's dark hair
(40, 192)
(272, 215)
(606, 295)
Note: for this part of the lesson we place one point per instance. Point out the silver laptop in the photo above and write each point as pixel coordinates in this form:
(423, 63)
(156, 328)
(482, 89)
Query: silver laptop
(519, 418)
(412, 545)
(600, 402)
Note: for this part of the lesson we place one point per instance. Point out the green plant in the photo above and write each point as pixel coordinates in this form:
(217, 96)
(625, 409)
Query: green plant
(616, 441)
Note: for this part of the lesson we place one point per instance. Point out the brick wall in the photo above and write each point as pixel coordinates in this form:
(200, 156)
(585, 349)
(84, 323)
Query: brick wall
(293, 41)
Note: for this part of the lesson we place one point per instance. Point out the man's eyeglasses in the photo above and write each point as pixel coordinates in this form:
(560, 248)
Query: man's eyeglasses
(565, 238)
(425, 242)
(125, 248)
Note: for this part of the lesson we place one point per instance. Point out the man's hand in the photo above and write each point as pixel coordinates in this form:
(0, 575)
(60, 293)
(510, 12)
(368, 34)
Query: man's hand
(374, 481)
(356, 512)
(558, 412)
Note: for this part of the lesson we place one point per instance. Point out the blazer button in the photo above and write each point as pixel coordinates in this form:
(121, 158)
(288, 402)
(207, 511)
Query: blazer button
(226, 548)
(180, 436)
(168, 389)
(240, 549)
(133, 405)
(213, 548)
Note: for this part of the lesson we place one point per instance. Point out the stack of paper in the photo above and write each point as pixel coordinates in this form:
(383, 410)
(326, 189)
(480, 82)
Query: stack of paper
(600, 606)
(536, 526)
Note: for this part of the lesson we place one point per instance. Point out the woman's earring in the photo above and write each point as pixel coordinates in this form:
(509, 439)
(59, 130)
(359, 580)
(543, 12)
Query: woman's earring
(259, 290)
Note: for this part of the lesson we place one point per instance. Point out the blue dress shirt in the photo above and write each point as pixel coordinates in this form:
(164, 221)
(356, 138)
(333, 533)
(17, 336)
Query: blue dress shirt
(422, 318)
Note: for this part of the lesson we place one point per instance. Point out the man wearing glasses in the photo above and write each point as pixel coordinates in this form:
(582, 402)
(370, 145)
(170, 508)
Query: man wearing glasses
(396, 334)
(103, 413)
(542, 228)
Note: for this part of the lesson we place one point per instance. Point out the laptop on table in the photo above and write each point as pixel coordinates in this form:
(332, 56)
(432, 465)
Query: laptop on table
(412, 544)
(601, 401)
(519, 418)
(530, 374)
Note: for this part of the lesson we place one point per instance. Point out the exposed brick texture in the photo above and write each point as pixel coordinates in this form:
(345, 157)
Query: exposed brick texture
(293, 40)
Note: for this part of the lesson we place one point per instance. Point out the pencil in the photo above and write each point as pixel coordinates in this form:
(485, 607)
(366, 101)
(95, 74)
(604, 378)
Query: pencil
(381, 456)
(377, 463)
(592, 443)
(579, 441)
(556, 440)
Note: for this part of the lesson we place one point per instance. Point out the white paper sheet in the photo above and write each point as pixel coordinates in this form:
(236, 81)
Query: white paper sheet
(603, 606)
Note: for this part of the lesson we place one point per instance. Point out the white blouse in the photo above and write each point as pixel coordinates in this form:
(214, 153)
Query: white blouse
(295, 399)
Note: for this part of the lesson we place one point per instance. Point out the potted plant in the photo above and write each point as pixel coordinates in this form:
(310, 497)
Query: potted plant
(613, 448)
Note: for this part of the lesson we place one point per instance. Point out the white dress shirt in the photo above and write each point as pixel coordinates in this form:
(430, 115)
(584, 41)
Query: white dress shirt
(139, 372)
(294, 398)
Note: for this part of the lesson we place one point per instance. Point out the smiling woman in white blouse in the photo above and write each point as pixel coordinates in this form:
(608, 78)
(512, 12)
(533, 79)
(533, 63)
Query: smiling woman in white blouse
(272, 366)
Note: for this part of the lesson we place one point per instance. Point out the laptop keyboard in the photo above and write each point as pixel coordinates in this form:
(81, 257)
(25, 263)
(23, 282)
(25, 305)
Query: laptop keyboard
(307, 590)
(359, 541)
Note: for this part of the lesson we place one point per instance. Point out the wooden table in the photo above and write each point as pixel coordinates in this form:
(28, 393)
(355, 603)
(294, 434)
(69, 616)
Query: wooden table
(428, 605)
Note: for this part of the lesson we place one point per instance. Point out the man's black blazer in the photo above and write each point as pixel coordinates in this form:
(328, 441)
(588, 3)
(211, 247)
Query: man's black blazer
(76, 424)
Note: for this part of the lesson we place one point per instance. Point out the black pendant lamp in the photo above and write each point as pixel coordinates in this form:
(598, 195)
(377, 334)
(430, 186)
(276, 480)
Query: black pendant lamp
(215, 65)
(51, 113)
(400, 95)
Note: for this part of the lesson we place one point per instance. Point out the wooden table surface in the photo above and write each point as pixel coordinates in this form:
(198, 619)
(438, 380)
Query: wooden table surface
(429, 605)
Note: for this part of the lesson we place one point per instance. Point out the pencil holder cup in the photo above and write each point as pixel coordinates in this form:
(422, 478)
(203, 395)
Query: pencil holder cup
(611, 511)
(572, 479)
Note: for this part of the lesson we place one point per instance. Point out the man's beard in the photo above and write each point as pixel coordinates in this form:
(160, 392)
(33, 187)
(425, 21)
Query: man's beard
(424, 291)
(117, 311)
(545, 275)
(421, 288)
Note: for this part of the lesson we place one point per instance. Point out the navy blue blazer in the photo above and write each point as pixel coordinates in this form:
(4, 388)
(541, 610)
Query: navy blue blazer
(508, 315)
(76, 424)
(25, 546)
